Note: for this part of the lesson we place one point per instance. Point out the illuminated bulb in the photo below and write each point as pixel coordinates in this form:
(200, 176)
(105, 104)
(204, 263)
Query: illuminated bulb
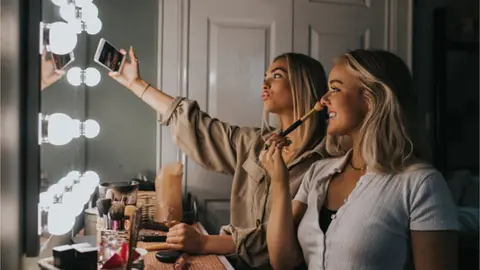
(63, 38)
(91, 128)
(60, 219)
(46, 200)
(75, 175)
(82, 192)
(60, 129)
(82, 3)
(67, 12)
(74, 76)
(89, 12)
(94, 26)
(59, 2)
(91, 178)
(65, 182)
(55, 190)
(92, 76)
(72, 202)
(76, 25)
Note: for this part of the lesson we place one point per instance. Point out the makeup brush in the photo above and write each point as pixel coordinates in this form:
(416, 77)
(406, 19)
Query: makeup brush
(103, 206)
(117, 212)
(318, 107)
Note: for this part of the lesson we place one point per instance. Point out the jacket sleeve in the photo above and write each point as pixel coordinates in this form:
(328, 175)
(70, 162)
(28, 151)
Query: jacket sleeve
(208, 141)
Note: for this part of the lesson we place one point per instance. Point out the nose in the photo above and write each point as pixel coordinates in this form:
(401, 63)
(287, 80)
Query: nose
(325, 100)
(265, 85)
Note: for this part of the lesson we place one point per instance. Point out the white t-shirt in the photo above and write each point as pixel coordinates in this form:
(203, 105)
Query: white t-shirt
(372, 229)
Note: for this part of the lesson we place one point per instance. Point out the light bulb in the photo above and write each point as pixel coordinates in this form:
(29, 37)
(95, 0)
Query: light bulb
(94, 26)
(76, 25)
(46, 200)
(66, 182)
(82, 192)
(59, 2)
(55, 190)
(67, 12)
(91, 178)
(89, 12)
(82, 3)
(74, 76)
(74, 175)
(63, 38)
(72, 202)
(59, 129)
(60, 219)
(92, 76)
(91, 128)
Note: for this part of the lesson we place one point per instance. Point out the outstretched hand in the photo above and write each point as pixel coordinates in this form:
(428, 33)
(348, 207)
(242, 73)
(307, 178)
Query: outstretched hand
(130, 72)
(49, 75)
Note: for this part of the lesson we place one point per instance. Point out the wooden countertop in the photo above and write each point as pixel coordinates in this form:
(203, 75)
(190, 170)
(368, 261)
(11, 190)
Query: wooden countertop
(200, 262)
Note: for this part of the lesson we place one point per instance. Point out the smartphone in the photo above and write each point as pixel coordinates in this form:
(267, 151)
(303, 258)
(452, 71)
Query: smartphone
(108, 56)
(62, 61)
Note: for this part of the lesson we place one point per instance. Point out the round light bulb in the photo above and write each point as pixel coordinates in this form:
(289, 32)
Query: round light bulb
(59, 2)
(82, 3)
(71, 201)
(63, 38)
(89, 12)
(92, 76)
(77, 128)
(94, 26)
(91, 178)
(67, 12)
(66, 182)
(91, 129)
(55, 190)
(59, 129)
(74, 76)
(60, 219)
(46, 200)
(76, 25)
(74, 175)
(82, 192)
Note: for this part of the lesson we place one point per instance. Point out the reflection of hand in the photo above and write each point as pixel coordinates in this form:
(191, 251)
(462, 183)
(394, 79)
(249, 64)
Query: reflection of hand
(186, 238)
(130, 71)
(272, 160)
(48, 73)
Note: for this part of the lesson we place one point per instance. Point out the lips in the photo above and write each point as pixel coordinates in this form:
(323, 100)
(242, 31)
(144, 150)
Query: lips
(265, 96)
(331, 114)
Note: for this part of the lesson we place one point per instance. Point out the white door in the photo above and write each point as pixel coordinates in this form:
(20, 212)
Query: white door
(325, 29)
(225, 47)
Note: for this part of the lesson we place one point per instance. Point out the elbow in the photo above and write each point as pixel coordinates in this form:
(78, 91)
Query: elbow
(285, 261)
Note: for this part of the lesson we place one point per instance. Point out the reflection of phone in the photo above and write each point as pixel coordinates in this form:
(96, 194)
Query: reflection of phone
(62, 61)
(108, 56)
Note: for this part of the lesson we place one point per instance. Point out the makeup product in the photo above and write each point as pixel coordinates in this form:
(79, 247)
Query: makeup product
(103, 206)
(63, 257)
(117, 214)
(159, 246)
(86, 258)
(168, 256)
(318, 107)
(155, 226)
(133, 236)
(129, 210)
(152, 238)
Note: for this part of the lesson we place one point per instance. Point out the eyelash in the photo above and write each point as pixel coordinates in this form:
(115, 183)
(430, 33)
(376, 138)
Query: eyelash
(334, 89)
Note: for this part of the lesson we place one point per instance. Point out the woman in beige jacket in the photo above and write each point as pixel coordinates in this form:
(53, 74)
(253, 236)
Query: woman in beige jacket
(292, 85)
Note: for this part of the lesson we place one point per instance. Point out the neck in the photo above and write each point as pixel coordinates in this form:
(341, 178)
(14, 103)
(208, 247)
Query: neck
(356, 160)
(287, 120)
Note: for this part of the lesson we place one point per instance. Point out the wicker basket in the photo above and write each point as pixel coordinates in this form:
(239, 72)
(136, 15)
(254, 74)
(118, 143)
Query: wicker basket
(147, 200)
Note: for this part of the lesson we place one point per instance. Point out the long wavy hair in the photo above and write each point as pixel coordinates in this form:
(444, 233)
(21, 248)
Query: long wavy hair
(308, 83)
(386, 141)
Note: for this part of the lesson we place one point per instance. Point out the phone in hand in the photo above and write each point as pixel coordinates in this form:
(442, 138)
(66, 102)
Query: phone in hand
(60, 62)
(108, 56)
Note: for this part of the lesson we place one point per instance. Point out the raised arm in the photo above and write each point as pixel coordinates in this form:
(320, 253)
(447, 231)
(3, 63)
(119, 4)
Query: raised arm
(283, 248)
(209, 142)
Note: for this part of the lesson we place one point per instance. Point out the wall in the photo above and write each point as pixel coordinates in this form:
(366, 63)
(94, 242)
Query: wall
(126, 143)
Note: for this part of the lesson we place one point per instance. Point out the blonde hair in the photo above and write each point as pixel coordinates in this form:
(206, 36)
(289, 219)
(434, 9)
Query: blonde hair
(308, 84)
(385, 134)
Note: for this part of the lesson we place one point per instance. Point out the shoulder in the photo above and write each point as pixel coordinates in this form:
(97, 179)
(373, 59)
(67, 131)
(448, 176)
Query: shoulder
(324, 168)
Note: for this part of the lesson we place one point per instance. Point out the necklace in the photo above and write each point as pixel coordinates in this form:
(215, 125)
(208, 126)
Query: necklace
(355, 168)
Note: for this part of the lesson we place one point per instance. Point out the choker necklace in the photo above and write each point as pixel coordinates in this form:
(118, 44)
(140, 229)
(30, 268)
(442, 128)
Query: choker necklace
(355, 168)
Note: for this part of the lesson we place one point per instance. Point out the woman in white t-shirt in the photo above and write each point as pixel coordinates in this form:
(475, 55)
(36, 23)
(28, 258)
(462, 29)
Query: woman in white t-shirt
(375, 206)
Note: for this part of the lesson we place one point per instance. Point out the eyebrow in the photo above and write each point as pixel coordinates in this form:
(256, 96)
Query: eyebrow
(276, 69)
(336, 81)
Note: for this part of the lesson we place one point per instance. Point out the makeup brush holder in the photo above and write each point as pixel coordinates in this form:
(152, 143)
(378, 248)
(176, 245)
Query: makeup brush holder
(125, 192)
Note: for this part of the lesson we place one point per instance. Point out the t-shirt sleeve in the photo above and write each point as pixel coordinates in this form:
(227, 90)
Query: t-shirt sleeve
(302, 193)
(432, 206)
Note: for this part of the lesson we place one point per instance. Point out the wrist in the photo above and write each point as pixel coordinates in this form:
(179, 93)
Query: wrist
(204, 239)
(137, 86)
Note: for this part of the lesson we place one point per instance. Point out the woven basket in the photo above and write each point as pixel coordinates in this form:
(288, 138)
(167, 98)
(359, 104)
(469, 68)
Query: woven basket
(147, 200)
